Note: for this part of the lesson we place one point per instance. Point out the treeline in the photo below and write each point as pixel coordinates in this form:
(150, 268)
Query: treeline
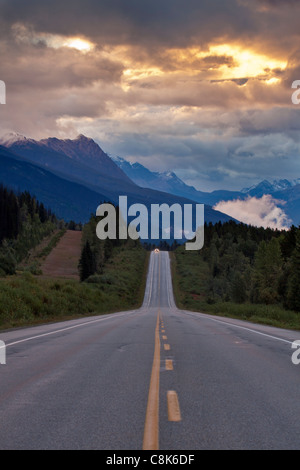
(24, 222)
(162, 245)
(14, 210)
(249, 264)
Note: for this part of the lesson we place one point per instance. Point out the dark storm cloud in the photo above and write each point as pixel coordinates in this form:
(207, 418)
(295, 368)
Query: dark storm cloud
(167, 22)
(157, 23)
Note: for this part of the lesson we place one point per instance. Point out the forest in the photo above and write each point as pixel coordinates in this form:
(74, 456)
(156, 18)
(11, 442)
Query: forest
(24, 223)
(113, 273)
(240, 264)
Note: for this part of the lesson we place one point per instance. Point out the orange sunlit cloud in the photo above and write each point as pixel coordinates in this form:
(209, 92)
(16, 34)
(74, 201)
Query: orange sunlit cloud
(218, 62)
(207, 88)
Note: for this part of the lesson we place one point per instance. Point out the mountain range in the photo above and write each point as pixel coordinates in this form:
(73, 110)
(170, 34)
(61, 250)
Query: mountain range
(285, 192)
(68, 200)
(72, 177)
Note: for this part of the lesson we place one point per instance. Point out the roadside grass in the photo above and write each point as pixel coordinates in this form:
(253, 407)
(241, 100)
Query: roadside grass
(190, 282)
(26, 299)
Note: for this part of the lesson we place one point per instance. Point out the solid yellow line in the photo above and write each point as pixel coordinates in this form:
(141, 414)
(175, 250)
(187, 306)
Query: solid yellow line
(169, 364)
(167, 347)
(150, 441)
(159, 282)
(173, 406)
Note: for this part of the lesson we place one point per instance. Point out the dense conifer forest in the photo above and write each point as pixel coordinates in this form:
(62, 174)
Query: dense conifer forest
(241, 269)
(24, 223)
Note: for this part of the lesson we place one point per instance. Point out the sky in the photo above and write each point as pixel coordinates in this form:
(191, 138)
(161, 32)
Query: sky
(201, 87)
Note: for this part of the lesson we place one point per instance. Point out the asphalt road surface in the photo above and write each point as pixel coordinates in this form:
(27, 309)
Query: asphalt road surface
(154, 378)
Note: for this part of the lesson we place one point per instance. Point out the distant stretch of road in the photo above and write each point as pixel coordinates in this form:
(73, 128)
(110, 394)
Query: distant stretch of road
(153, 378)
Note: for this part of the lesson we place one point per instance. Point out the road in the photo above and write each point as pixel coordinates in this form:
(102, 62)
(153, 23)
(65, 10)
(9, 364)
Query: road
(154, 378)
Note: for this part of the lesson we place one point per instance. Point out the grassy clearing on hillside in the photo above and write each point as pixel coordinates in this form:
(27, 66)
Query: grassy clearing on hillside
(190, 280)
(63, 259)
(32, 262)
(26, 299)
(52, 244)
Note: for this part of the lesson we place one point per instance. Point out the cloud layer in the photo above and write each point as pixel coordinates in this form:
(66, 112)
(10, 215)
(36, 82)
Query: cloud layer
(260, 212)
(202, 87)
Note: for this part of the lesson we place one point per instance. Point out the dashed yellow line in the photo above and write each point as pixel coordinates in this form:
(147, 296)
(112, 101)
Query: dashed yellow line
(151, 428)
(173, 406)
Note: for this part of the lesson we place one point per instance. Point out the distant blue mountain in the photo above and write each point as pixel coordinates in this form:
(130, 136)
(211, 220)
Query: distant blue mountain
(68, 200)
(267, 187)
(83, 162)
(169, 182)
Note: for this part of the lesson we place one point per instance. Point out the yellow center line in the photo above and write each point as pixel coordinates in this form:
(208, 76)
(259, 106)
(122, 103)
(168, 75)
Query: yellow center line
(159, 284)
(164, 337)
(167, 347)
(150, 441)
(169, 364)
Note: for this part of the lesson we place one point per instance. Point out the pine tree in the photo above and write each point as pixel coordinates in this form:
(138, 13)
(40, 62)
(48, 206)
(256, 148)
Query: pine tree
(238, 289)
(86, 263)
(288, 242)
(267, 271)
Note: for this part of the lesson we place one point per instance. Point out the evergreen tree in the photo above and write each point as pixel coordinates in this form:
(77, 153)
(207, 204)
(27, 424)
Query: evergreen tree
(267, 272)
(288, 242)
(238, 289)
(87, 265)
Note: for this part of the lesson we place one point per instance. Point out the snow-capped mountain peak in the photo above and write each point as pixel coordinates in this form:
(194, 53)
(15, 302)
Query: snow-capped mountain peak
(266, 186)
(11, 138)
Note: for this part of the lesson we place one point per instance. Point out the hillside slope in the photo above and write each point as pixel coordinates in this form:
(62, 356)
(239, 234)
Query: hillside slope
(63, 259)
(68, 200)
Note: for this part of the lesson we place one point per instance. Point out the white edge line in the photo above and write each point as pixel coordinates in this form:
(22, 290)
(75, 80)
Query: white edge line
(170, 280)
(170, 287)
(113, 315)
(151, 282)
(236, 326)
(150, 274)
